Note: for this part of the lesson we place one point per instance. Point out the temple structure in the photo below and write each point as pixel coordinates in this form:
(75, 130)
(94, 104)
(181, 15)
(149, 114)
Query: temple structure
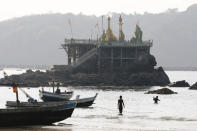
(109, 53)
(108, 61)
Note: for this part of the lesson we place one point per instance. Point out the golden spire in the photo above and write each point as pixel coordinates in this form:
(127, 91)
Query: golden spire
(109, 28)
(121, 34)
(109, 34)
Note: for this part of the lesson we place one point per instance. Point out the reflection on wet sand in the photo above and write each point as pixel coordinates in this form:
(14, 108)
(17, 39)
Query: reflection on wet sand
(59, 127)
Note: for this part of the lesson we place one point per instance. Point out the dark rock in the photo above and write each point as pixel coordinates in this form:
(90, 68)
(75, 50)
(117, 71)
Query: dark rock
(157, 77)
(144, 62)
(161, 91)
(182, 83)
(193, 87)
(29, 71)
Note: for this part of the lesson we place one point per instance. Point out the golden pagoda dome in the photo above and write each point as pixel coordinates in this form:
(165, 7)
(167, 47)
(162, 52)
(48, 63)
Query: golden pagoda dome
(109, 34)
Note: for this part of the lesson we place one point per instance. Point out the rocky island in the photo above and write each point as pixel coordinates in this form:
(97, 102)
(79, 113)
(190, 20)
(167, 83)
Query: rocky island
(107, 61)
(181, 83)
(164, 91)
(193, 87)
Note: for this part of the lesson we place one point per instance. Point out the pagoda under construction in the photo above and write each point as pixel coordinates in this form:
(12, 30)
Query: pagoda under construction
(107, 61)
(109, 53)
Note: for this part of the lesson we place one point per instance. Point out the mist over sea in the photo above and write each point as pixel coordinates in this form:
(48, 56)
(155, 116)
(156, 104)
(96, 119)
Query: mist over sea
(173, 113)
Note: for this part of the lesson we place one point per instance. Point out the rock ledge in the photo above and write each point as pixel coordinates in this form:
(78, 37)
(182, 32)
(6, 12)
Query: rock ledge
(161, 91)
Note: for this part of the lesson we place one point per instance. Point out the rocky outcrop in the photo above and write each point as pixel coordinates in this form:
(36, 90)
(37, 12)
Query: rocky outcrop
(182, 83)
(194, 86)
(161, 91)
(157, 77)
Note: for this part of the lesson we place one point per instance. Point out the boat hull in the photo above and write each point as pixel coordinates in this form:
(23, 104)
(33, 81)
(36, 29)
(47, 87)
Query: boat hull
(47, 96)
(85, 104)
(26, 104)
(35, 116)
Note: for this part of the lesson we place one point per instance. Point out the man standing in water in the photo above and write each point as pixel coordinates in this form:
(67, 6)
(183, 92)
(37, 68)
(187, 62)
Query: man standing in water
(156, 99)
(120, 105)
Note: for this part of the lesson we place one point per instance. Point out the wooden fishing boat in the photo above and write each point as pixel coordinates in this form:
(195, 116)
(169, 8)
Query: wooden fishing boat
(36, 104)
(40, 115)
(55, 95)
(43, 114)
(84, 102)
(50, 96)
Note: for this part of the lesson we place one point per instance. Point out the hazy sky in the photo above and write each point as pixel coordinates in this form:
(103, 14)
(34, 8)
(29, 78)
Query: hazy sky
(17, 8)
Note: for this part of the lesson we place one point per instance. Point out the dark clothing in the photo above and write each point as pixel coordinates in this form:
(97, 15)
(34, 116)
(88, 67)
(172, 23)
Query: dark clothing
(120, 105)
(120, 110)
(31, 100)
(57, 91)
(156, 99)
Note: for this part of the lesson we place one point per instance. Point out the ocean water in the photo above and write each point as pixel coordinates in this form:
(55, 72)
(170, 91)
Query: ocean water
(176, 112)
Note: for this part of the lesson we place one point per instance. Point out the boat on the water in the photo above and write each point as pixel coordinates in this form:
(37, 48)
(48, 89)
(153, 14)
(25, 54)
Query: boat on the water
(42, 114)
(84, 102)
(37, 115)
(55, 95)
(50, 96)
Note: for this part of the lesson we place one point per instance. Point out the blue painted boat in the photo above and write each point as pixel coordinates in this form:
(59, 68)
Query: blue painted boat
(50, 96)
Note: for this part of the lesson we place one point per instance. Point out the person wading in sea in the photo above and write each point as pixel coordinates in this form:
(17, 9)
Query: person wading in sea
(120, 105)
(156, 99)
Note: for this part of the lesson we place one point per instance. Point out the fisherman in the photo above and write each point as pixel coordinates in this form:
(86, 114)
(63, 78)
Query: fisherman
(156, 99)
(120, 105)
(58, 91)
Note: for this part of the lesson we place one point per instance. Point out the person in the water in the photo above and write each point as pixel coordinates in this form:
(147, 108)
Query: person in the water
(156, 99)
(120, 104)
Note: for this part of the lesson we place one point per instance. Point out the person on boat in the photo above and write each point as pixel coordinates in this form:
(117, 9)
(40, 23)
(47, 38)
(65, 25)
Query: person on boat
(58, 91)
(58, 85)
(156, 99)
(31, 100)
(120, 104)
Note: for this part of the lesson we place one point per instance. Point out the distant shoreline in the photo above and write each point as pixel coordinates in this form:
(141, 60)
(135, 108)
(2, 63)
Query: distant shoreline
(33, 67)
(180, 68)
(47, 67)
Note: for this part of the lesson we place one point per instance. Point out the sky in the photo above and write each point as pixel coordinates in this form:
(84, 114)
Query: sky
(17, 8)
